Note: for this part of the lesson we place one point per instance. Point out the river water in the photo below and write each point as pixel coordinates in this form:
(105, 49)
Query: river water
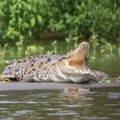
(64, 104)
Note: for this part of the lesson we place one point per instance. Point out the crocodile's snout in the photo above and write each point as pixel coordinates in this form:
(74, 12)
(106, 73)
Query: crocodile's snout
(84, 45)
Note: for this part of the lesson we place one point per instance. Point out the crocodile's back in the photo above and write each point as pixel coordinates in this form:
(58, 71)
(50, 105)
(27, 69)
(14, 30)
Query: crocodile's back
(26, 67)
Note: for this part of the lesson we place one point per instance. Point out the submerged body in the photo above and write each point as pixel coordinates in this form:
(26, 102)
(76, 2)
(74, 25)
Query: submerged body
(71, 67)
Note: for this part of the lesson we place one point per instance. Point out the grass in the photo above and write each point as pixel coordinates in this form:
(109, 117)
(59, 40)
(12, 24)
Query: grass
(104, 49)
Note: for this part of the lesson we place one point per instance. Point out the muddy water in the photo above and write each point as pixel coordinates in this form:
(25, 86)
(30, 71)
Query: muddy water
(65, 104)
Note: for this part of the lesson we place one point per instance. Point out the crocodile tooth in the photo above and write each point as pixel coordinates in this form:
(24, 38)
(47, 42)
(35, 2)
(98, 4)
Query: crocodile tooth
(85, 71)
(80, 71)
(88, 69)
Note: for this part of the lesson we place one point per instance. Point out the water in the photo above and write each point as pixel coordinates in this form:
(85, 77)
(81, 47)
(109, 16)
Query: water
(65, 104)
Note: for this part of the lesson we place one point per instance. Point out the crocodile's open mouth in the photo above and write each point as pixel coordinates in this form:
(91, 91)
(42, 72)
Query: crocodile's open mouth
(78, 59)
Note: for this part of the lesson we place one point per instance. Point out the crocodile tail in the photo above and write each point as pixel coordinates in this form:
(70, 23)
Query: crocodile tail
(98, 75)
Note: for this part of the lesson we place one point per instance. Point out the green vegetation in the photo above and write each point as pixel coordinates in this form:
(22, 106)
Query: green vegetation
(106, 51)
(28, 19)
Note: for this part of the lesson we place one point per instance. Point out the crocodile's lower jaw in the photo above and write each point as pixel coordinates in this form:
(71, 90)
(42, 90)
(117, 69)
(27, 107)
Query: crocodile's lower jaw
(76, 78)
(79, 79)
(67, 73)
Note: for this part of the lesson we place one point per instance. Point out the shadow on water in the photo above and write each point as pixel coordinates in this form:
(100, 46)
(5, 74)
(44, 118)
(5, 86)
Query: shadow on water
(72, 104)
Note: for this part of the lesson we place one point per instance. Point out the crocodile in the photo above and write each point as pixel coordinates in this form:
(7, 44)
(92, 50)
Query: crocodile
(71, 67)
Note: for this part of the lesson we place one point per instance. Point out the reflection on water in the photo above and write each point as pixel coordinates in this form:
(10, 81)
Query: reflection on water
(69, 104)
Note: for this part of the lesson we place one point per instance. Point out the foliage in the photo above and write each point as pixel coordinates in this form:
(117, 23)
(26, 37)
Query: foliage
(106, 51)
(3, 52)
(20, 18)
(102, 48)
(26, 19)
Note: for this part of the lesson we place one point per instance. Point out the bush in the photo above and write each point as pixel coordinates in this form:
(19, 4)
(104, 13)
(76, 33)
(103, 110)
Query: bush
(85, 17)
(24, 19)
(20, 19)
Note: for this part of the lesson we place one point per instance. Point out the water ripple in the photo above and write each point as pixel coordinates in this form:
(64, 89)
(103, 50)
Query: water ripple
(99, 104)
(16, 102)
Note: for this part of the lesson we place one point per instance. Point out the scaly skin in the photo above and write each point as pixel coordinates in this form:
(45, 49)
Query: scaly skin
(71, 67)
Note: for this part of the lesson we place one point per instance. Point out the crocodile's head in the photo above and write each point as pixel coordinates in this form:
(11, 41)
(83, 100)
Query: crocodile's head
(72, 67)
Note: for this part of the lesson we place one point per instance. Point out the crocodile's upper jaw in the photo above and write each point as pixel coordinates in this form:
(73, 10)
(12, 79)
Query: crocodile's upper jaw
(78, 59)
(74, 68)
